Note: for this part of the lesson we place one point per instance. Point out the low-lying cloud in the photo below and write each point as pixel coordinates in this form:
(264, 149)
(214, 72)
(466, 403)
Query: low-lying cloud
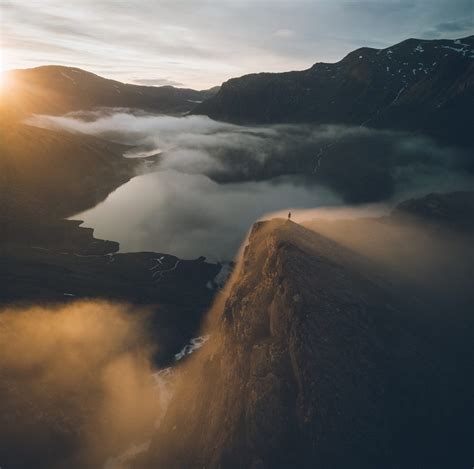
(359, 163)
(213, 179)
(76, 384)
(157, 82)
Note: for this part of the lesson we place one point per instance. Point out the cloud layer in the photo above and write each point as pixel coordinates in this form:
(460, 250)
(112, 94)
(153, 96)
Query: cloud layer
(76, 384)
(212, 180)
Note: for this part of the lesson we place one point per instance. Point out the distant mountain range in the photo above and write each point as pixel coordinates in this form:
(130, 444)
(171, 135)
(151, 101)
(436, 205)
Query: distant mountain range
(416, 85)
(55, 89)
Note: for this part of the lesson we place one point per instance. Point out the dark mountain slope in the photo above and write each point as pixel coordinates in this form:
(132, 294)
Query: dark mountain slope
(415, 85)
(316, 360)
(45, 175)
(55, 89)
(455, 210)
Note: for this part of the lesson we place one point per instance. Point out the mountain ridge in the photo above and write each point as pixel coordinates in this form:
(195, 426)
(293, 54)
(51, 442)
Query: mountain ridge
(57, 89)
(416, 85)
(314, 360)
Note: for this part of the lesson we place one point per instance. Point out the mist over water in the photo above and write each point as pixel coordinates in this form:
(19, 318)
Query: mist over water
(212, 180)
(190, 215)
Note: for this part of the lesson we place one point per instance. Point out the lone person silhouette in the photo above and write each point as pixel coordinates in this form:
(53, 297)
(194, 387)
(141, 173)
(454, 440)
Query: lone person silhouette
(289, 215)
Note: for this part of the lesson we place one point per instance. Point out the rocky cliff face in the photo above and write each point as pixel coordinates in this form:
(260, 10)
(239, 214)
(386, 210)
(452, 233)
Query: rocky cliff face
(315, 360)
(414, 85)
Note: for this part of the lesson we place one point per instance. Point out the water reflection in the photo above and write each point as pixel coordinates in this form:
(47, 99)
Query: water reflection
(189, 215)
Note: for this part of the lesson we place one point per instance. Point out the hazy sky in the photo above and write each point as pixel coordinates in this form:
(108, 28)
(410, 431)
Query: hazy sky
(200, 43)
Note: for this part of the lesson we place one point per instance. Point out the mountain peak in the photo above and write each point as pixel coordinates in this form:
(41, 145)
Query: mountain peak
(304, 359)
(415, 85)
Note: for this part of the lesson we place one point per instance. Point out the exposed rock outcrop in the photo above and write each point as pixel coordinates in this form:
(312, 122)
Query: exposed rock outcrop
(315, 360)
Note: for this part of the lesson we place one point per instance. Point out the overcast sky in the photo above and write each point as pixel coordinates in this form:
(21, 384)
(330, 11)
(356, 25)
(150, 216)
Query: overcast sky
(201, 43)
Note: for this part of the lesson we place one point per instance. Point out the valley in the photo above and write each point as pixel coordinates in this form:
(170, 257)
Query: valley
(158, 311)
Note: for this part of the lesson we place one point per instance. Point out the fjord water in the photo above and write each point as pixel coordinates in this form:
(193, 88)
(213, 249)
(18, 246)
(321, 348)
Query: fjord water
(189, 215)
(207, 181)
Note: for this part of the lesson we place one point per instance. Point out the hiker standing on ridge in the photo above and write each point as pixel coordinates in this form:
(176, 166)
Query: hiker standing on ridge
(289, 215)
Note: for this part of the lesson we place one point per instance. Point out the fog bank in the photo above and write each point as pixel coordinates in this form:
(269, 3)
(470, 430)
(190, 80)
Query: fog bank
(359, 163)
(211, 180)
(75, 384)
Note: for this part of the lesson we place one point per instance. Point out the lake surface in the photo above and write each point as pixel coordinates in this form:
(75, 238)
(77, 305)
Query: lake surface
(189, 215)
(180, 210)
